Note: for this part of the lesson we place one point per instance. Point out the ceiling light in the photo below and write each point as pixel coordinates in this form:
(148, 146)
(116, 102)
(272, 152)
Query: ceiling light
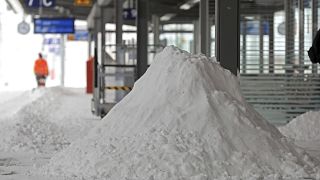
(189, 4)
(167, 17)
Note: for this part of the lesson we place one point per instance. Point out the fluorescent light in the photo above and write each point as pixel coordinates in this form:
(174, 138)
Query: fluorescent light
(167, 17)
(189, 4)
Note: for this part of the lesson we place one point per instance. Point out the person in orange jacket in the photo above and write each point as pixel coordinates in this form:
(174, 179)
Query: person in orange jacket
(41, 70)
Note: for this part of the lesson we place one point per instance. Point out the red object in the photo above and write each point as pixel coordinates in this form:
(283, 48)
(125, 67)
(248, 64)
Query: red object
(90, 75)
(41, 67)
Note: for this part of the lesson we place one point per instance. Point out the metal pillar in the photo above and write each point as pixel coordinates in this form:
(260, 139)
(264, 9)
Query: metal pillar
(261, 33)
(103, 37)
(1, 48)
(196, 36)
(244, 46)
(204, 27)
(314, 12)
(119, 23)
(103, 55)
(289, 29)
(156, 30)
(271, 44)
(96, 54)
(89, 44)
(227, 34)
(120, 59)
(301, 35)
(62, 53)
(142, 36)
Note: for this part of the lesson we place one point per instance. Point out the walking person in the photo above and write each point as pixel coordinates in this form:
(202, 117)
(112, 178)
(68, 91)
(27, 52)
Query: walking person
(41, 71)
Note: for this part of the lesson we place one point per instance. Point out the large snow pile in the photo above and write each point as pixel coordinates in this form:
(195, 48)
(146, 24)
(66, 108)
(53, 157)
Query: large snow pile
(184, 119)
(28, 129)
(305, 127)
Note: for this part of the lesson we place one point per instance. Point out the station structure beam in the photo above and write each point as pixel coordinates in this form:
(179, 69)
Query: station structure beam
(261, 34)
(271, 43)
(228, 34)
(119, 23)
(205, 29)
(314, 14)
(142, 36)
(156, 30)
(244, 45)
(289, 34)
(196, 36)
(301, 34)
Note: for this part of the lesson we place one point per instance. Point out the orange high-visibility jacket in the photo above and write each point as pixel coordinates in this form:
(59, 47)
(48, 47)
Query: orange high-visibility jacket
(41, 67)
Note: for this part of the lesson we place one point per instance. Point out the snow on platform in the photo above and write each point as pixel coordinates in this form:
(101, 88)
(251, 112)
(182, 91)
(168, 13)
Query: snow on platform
(36, 124)
(184, 119)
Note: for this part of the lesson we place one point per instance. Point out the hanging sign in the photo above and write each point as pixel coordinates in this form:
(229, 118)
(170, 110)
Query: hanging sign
(42, 3)
(129, 13)
(23, 28)
(83, 2)
(53, 25)
(79, 35)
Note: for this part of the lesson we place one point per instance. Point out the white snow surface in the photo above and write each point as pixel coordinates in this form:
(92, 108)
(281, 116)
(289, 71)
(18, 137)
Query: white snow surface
(305, 127)
(42, 121)
(184, 119)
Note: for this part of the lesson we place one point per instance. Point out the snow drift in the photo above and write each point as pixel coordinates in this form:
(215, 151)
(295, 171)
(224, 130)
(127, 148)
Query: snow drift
(305, 127)
(28, 129)
(184, 119)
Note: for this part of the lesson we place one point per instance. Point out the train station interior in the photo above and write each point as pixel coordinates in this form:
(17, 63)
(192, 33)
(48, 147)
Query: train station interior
(159, 89)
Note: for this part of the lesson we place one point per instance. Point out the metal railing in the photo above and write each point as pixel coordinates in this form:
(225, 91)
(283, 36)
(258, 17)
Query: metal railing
(280, 97)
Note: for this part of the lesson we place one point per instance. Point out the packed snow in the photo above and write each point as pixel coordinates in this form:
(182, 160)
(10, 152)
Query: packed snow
(304, 131)
(304, 127)
(36, 124)
(43, 125)
(184, 119)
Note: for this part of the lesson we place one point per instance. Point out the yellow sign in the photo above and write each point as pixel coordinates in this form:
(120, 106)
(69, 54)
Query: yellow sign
(83, 2)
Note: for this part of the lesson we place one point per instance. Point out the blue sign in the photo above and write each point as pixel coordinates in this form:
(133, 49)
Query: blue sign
(53, 25)
(253, 27)
(51, 41)
(81, 35)
(42, 3)
(129, 14)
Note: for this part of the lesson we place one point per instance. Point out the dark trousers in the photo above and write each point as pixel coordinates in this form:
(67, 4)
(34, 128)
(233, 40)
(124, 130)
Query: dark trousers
(41, 79)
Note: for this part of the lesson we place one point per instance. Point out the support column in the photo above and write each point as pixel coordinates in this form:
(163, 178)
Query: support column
(261, 33)
(301, 35)
(227, 34)
(119, 23)
(271, 44)
(62, 53)
(96, 50)
(289, 29)
(314, 15)
(204, 27)
(89, 43)
(156, 30)
(196, 36)
(1, 54)
(102, 54)
(142, 36)
(244, 45)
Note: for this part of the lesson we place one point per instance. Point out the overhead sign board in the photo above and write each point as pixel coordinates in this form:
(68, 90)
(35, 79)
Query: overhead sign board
(53, 25)
(129, 13)
(40, 3)
(253, 27)
(83, 2)
(79, 35)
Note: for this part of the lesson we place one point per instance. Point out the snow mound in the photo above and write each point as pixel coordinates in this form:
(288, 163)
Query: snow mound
(28, 129)
(305, 127)
(184, 119)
